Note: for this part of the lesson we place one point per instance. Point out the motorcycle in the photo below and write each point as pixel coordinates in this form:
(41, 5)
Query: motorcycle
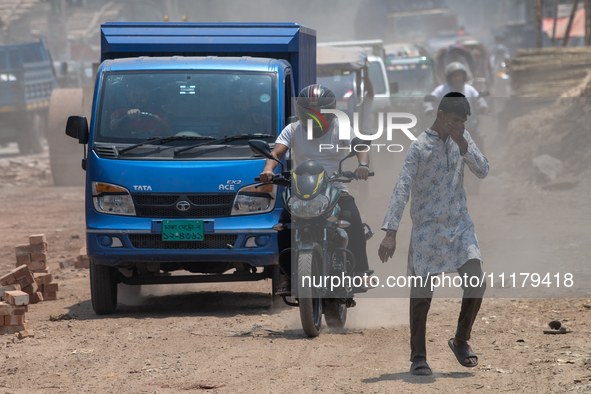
(319, 241)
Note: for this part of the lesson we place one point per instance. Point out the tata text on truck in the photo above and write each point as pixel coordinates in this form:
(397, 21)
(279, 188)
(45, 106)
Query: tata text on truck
(179, 193)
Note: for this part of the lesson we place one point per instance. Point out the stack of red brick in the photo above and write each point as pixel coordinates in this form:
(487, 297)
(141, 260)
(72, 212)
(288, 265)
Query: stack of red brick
(12, 312)
(34, 257)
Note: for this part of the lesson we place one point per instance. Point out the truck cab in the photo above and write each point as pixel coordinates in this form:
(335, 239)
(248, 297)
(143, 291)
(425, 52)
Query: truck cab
(169, 173)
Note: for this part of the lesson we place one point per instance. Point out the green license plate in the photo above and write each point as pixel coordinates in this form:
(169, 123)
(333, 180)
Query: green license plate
(182, 230)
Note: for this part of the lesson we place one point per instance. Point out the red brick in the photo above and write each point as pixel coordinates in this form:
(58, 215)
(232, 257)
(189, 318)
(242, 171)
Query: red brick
(24, 249)
(8, 288)
(44, 271)
(8, 279)
(26, 281)
(68, 263)
(50, 287)
(82, 261)
(26, 334)
(36, 297)
(16, 297)
(37, 265)
(50, 296)
(20, 272)
(43, 278)
(32, 288)
(8, 309)
(23, 259)
(41, 256)
(37, 239)
(14, 320)
(12, 329)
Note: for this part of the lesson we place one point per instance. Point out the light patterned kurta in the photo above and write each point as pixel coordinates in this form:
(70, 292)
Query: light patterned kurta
(443, 237)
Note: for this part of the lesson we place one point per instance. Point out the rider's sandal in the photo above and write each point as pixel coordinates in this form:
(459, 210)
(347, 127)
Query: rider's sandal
(284, 288)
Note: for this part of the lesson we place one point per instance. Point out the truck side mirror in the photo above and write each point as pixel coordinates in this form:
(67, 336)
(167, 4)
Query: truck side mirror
(77, 127)
(394, 87)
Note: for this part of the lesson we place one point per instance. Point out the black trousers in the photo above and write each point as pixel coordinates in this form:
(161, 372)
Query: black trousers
(420, 302)
(356, 232)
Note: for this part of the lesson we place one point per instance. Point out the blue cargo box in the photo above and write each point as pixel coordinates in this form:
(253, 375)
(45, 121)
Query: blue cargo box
(288, 41)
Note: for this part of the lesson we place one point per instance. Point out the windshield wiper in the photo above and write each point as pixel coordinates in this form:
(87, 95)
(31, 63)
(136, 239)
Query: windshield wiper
(162, 140)
(222, 140)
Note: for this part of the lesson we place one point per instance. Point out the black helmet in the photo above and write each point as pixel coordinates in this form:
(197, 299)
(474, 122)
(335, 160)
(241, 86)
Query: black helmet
(310, 101)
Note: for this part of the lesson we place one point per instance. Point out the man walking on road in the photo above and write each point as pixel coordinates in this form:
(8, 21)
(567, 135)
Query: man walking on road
(443, 237)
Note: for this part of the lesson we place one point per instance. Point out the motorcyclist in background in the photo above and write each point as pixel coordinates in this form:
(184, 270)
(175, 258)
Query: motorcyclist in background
(456, 76)
(311, 100)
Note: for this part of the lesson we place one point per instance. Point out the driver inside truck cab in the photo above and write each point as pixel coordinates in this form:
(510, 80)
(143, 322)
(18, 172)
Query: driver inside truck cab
(242, 119)
(141, 114)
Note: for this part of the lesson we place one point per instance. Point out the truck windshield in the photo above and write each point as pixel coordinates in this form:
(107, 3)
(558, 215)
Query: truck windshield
(413, 77)
(136, 107)
(342, 83)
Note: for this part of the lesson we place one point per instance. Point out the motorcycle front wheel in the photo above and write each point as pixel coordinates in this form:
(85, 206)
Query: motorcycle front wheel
(335, 314)
(310, 302)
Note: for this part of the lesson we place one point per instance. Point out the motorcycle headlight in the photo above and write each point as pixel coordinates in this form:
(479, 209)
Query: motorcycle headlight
(253, 200)
(112, 199)
(308, 208)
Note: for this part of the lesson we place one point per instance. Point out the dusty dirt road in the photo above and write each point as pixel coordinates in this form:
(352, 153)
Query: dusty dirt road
(230, 338)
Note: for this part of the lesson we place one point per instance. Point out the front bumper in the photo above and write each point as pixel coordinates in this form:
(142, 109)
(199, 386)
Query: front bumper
(248, 240)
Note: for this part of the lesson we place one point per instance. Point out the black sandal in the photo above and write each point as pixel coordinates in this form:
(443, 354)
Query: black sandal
(420, 368)
(463, 352)
(284, 288)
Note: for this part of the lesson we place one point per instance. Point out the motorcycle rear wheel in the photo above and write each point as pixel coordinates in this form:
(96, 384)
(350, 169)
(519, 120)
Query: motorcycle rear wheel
(310, 302)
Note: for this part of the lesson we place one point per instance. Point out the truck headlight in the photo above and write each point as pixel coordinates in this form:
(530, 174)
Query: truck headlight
(253, 200)
(112, 199)
(308, 208)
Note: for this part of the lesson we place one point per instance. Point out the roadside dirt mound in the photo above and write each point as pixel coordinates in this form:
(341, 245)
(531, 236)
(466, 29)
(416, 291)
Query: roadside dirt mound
(560, 130)
(25, 171)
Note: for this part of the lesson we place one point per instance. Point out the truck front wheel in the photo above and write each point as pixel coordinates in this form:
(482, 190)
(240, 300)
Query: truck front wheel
(103, 288)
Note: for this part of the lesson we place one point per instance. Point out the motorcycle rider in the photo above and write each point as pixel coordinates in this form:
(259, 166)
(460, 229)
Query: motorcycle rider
(311, 100)
(456, 76)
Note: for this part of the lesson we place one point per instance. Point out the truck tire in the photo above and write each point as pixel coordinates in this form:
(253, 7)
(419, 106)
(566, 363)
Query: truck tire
(65, 153)
(30, 134)
(103, 288)
(335, 314)
(310, 303)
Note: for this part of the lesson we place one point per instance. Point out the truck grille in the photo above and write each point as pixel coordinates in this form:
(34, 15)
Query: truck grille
(211, 241)
(201, 205)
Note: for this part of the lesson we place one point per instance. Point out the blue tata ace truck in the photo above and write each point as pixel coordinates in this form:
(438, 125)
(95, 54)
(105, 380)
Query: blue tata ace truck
(169, 173)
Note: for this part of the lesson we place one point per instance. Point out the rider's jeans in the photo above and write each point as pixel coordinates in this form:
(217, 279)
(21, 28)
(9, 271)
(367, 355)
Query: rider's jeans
(356, 232)
(420, 302)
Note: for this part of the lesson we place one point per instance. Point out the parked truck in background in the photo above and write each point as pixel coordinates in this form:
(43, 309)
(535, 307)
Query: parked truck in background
(26, 81)
(185, 199)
